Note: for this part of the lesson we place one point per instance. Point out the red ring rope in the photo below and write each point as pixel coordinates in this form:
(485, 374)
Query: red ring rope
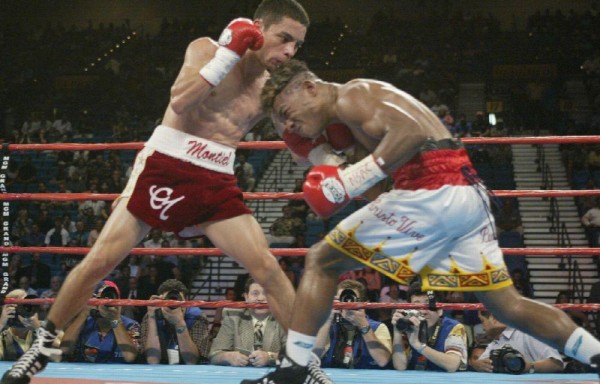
(279, 251)
(241, 304)
(281, 144)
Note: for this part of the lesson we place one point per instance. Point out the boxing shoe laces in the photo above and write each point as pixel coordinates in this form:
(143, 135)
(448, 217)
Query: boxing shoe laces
(289, 372)
(34, 360)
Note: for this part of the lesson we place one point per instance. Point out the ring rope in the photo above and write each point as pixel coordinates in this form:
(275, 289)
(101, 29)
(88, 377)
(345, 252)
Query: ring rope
(240, 304)
(278, 251)
(280, 195)
(281, 144)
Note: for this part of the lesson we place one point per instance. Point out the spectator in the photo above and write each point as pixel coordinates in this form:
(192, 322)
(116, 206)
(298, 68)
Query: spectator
(580, 318)
(79, 237)
(218, 317)
(23, 223)
(538, 356)
(508, 217)
(247, 171)
(95, 232)
(37, 272)
(18, 325)
(131, 291)
(474, 353)
(68, 224)
(299, 207)
(14, 265)
(55, 284)
(593, 159)
(27, 173)
(248, 337)
(57, 236)
(594, 297)
(34, 238)
(286, 228)
(149, 283)
(444, 346)
(350, 339)
(25, 285)
(174, 335)
(102, 334)
(391, 294)
(591, 223)
(462, 128)
(521, 283)
(122, 280)
(372, 280)
(285, 267)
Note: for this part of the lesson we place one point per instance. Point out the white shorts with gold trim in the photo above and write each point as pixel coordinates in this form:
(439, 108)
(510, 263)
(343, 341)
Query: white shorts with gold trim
(445, 235)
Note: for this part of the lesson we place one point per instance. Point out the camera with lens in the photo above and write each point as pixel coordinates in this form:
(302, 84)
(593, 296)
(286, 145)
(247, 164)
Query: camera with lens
(24, 310)
(405, 325)
(347, 296)
(107, 292)
(507, 360)
(173, 294)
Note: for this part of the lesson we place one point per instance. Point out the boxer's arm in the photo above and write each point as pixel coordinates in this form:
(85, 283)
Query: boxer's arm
(190, 88)
(398, 134)
(357, 153)
(206, 64)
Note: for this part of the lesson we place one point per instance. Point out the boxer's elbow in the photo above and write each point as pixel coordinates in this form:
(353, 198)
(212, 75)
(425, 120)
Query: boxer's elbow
(178, 103)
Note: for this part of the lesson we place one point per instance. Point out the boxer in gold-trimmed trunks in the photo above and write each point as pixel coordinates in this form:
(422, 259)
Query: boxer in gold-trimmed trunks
(435, 222)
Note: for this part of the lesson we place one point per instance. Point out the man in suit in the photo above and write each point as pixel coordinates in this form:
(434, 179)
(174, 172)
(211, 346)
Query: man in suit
(250, 336)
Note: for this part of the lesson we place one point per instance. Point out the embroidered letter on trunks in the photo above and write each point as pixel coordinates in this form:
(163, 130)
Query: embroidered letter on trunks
(163, 202)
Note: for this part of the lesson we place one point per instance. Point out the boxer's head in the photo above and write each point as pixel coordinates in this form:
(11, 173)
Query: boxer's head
(293, 99)
(284, 24)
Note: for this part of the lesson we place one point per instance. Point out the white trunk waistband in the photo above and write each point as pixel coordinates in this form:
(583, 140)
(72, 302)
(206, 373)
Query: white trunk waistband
(196, 150)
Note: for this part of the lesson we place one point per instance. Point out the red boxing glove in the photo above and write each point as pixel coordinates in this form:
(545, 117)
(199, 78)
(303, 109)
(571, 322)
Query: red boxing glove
(240, 35)
(322, 149)
(324, 191)
(301, 146)
(339, 136)
(328, 189)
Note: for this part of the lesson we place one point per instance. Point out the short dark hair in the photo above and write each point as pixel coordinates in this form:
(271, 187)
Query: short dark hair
(172, 285)
(280, 78)
(249, 282)
(273, 11)
(415, 290)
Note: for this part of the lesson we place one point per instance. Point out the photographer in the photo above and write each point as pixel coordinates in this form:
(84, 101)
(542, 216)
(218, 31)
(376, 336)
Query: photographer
(526, 354)
(248, 337)
(101, 334)
(18, 324)
(174, 335)
(436, 343)
(350, 338)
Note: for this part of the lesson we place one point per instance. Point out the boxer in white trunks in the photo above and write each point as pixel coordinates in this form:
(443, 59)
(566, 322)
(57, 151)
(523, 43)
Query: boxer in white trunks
(436, 222)
(183, 178)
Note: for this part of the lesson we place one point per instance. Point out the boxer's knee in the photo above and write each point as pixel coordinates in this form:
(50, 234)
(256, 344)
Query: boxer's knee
(323, 258)
(266, 272)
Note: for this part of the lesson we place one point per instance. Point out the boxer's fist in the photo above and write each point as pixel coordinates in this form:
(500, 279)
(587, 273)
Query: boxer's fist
(339, 136)
(301, 146)
(328, 189)
(324, 191)
(240, 35)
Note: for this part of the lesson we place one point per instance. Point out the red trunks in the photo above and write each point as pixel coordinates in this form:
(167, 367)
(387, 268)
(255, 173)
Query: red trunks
(434, 169)
(172, 194)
